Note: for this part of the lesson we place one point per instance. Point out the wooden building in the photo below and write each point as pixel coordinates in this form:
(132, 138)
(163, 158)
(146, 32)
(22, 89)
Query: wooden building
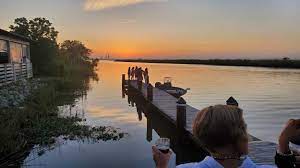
(15, 61)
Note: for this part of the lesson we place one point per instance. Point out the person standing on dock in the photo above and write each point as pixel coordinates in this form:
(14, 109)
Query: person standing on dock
(136, 72)
(129, 72)
(146, 76)
(132, 73)
(139, 75)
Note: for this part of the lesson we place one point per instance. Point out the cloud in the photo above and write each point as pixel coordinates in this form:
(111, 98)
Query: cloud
(94, 5)
(129, 21)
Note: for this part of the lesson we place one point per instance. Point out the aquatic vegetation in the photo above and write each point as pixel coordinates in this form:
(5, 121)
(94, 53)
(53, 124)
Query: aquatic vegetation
(29, 113)
(14, 95)
(39, 121)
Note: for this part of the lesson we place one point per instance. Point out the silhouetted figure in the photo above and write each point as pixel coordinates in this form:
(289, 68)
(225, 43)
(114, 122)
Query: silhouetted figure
(129, 72)
(132, 73)
(139, 74)
(146, 76)
(135, 72)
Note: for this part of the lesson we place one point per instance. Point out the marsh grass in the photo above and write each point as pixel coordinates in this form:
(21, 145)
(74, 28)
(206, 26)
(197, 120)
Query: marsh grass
(65, 70)
(39, 122)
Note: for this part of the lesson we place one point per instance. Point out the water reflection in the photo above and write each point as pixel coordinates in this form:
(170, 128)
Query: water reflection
(268, 96)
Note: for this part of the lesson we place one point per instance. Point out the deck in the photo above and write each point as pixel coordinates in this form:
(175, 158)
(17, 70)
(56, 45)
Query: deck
(12, 72)
(261, 152)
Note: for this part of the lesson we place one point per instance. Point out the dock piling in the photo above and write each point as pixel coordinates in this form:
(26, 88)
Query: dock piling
(149, 126)
(123, 79)
(181, 117)
(123, 82)
(150, 92)
(232, 101)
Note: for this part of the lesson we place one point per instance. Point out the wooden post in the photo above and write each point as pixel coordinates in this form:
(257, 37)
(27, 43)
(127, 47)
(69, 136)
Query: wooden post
(123, 93)
(31, 70)
(27, 75)
(5, 73)
(150, 92)
(123, 79)
(21, 64)
(232, 101)
(181, 118)
(14, 71)
(149, 128)
(149, 116)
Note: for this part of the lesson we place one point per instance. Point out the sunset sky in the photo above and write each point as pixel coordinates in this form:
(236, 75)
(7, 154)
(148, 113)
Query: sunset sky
(170, 28)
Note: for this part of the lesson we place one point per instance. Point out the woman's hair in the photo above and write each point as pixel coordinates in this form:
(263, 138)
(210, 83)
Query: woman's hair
(219, 126)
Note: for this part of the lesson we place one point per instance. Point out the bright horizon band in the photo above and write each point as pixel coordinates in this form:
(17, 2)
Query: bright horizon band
(171, 28)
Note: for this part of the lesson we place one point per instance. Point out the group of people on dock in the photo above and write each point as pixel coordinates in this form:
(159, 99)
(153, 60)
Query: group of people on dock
(137, 73)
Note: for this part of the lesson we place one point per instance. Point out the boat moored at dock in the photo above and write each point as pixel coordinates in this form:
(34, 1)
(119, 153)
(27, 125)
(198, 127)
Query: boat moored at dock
(167, 87)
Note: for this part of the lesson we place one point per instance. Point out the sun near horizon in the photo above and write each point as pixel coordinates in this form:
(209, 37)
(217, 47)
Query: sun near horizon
(170, 28)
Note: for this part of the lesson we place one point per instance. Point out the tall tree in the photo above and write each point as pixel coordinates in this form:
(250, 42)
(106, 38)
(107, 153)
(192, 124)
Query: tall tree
(21, 27)
(74, 50)
(35, 29)
(44, 48)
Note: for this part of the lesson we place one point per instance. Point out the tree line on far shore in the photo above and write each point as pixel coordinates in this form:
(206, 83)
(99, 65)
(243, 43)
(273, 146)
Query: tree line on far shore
(47, 56)
(271, 63)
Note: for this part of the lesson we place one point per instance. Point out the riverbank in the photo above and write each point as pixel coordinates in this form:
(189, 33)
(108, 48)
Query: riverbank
(32, 112)
(31, 117)
(276, 63)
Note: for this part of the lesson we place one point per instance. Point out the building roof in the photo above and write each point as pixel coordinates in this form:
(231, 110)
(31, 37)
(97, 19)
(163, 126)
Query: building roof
(14, 35)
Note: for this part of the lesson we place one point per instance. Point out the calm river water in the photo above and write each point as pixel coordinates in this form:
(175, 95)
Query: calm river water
(269, 98)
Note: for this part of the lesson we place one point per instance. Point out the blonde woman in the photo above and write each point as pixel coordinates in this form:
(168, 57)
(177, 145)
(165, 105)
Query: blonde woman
(223, 132)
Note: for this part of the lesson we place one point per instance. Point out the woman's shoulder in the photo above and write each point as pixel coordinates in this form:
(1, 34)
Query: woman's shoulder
(248, 163)
(208, 162)
(191, 165)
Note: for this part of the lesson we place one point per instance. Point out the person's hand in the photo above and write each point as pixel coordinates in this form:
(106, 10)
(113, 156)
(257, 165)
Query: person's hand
(290, 132)
(161, 159)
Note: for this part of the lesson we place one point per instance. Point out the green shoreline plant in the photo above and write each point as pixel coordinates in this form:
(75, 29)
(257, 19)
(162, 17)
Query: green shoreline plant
(65, 71)
(40, 123)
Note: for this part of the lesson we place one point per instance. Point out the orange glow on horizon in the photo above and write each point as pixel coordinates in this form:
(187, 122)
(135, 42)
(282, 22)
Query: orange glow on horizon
(161, 48)
(170, 28)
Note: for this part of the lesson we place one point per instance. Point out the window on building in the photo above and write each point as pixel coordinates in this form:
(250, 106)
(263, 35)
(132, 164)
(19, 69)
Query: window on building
(4, 57)
(25, 53)
(16, 52)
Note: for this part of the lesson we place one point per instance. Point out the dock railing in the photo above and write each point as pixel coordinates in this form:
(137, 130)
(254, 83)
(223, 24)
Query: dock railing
(12, 72)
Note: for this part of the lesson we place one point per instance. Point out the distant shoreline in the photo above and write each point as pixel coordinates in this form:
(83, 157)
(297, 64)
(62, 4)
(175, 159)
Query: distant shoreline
(271, 63)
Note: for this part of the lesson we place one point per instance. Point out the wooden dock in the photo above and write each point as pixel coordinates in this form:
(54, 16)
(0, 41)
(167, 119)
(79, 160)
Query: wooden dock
(168, 104)
(181, 115)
